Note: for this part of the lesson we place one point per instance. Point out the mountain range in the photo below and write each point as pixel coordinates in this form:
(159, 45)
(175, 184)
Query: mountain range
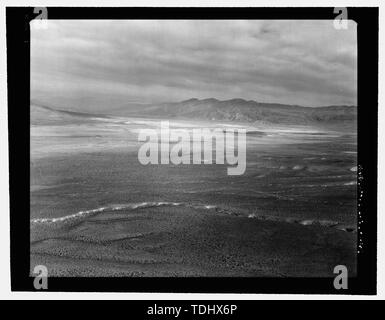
(237, 110)
(244, 111)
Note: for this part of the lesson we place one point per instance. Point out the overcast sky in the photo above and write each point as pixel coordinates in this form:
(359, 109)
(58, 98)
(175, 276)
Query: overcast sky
(294, 62)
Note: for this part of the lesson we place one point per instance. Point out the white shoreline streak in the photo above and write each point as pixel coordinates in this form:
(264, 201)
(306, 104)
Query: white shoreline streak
(133, 206)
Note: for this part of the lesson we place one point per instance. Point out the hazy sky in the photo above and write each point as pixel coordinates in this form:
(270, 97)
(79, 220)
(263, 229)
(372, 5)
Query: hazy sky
(114, 62)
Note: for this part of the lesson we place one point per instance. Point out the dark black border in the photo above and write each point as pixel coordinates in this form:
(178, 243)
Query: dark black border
(18, 68)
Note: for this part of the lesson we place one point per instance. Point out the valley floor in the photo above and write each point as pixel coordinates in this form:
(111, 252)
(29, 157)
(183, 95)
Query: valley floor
(96, 211)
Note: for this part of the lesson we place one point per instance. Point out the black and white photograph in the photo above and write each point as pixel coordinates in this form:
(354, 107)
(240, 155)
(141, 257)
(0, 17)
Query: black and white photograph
(197, 145)
(132, 127)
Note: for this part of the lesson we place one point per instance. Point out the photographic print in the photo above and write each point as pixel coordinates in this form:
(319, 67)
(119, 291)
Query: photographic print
(193, 148)
(176, 149)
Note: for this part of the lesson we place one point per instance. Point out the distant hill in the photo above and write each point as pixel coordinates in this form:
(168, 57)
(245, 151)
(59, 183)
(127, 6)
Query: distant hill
(44, 115)
(244, 111)
(237, 110)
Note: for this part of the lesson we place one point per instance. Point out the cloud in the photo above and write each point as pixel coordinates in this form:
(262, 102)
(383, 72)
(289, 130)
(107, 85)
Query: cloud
(296, 62)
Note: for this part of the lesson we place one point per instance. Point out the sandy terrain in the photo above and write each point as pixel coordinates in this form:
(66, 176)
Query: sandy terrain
(175, 241)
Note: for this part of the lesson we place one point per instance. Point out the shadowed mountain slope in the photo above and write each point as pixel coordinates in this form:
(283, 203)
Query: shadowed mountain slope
(245, 111)
(237, 110)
